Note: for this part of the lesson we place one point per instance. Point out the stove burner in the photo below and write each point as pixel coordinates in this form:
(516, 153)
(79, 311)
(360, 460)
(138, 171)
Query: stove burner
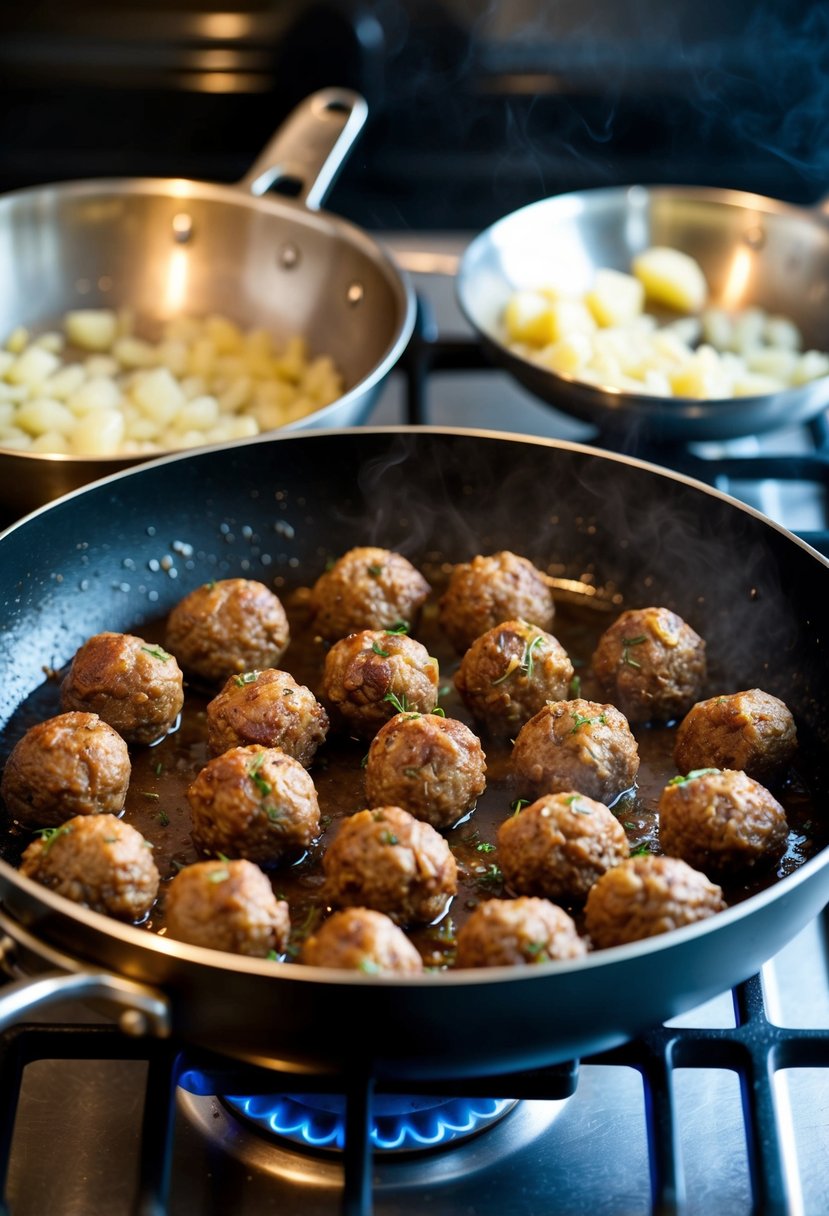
(401, 1124)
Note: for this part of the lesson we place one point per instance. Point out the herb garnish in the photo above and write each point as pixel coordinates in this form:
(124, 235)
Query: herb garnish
(384, 654)
(641, 850)
(50, 835)
(484, 847)
(274, 813)
(387, 837)
(575, 688)
(375, 570)
(151, 794)
(411, 772)
(217, 876)
(369, 966)
(525, 663)
(272, 956)
(439, 712)
(582, 721)
(256, 777)
(573, 803)
(398, 628)
(246, 677)
(400, 703)
(491, 876)
(538, 952)
(626, 645)
(518, 805)
(163, 818)
(697, 772)
(157, 653)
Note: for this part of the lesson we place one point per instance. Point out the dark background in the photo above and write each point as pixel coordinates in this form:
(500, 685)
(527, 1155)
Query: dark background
(475, 108)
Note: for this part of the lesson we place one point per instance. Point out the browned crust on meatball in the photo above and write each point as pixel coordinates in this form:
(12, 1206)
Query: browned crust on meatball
(433, 767)
(254, 802)
(559, 846)
(98, 861)
(650, 664)
(367, 588)
(72, 764)
(515, 932)
(509, 673)
(577, 745)
(227, 905)
(645, 896)
(387, 860)
(370, 676)
(135, 686)
(490, 589)
(721, 821)
(751, 730)
(361, 939)
(232, 625)
(269, 708)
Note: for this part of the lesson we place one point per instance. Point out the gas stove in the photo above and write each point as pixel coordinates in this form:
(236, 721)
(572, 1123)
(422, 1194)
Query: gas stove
(723, 1109)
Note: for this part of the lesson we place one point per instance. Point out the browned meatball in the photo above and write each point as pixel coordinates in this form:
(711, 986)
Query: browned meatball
(135, 686)
(488, 590)
(721, 821)
(227, 905)
(72, 764)
(372, 675)
(509, 673)
(433, 767)
(751, 730)
(254, 802)
(98, 861)
(360, 939)
(576, 746)
(511, 932)
(367, 588)
(266, 707)
(647, 895)
(650, 664)
(558, 846)
(387, 860)
(233, 625)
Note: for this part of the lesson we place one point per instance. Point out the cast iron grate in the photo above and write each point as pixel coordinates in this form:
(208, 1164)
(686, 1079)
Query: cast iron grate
(430, 352)
(754, 1049)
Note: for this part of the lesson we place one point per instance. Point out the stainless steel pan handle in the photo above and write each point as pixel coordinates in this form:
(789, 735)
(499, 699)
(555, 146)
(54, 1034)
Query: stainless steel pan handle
(142, 1009)
(308, 150)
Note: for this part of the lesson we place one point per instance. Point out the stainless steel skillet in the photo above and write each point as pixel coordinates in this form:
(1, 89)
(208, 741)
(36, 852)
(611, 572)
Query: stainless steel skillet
(91, 561)
(753, 250)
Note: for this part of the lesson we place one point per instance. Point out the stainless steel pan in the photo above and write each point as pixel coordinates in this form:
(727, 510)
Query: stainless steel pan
(170, 246)
(90, 561)
(753, 250)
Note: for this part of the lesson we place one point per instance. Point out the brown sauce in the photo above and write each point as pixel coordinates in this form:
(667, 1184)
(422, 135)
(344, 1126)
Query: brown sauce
(157, 804)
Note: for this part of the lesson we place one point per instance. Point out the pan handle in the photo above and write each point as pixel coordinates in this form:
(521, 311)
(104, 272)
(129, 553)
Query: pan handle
(308, 151)
(143, 1010)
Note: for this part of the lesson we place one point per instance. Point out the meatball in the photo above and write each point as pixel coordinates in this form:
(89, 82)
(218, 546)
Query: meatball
(511, 932)
(387, 860)
(433, 767)
(576, 745)
(372, 675)
(227, 905)
(650, 664)
(509, 673)
(98, 861)
(135, 686)
(647, 895)
(254, 802)
(367, 588)
(559, 846)
(721, 821)
(751, 730)
(266, 707)
(72, 764)
(229, 626)
(360, 939)
(488, 590)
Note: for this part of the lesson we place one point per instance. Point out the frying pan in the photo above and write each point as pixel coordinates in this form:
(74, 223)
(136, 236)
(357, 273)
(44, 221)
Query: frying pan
(90, 562)
(754, 251)
(165, 247)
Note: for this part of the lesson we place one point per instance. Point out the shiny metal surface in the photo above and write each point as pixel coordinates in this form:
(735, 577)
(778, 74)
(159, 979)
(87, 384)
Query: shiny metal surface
(753, 250)
(268, 262)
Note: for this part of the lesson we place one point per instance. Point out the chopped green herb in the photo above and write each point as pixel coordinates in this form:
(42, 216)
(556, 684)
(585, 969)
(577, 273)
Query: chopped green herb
(275, 813)
(485, 847)
(246, 677)
(272, 956)
(150, 794)
(525, 664)
(518, 805)
(444, 690)
(411, 772)
(375, 570)
(157, 653)
(400, 703)
(491, 876)
(439, 712)
(364, 761)
(217, 876)
(110, 839)
(223, 857)
(580, 721)
(697, 772)
(388, 838)
(163, 818)
(256, 777)
(50, 835)
(626, 645)
(641, 849)
(398, 628)
(209, 586)
(575, 688)
(159, 769)
(369, 966)
(384, 654)
(538, 952)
